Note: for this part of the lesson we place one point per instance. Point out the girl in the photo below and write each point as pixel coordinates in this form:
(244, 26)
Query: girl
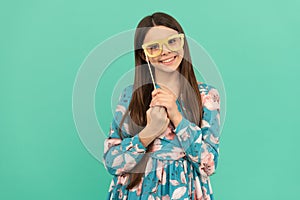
(164, 138)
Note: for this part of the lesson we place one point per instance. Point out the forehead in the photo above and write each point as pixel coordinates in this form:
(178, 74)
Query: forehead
(159, 32)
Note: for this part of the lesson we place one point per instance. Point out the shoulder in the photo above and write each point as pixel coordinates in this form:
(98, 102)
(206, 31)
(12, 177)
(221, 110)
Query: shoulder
(123, 103)
(205, 88)
(125, 95)
(209, 95)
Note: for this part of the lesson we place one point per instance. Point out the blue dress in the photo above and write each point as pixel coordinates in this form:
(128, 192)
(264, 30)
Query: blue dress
(180, 162)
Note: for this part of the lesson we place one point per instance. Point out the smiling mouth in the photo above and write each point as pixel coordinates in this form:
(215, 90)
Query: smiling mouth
(169, 60)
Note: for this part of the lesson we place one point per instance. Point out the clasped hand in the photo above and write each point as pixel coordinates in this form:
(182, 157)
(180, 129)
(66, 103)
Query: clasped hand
(163, 109)
(167, 99)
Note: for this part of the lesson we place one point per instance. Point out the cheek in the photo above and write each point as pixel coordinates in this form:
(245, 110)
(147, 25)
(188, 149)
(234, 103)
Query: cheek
(180, 56)
(181, 53)
(154, 62)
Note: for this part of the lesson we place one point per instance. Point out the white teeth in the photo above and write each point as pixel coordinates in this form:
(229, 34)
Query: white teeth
(169, 60)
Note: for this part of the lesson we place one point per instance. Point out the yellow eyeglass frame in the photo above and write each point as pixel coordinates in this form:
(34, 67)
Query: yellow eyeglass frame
(161, 42)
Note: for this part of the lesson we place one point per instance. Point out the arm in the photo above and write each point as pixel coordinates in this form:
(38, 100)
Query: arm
(201, 145)
(121, 155)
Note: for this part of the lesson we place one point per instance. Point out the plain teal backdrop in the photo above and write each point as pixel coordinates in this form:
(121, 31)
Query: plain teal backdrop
(255, 45)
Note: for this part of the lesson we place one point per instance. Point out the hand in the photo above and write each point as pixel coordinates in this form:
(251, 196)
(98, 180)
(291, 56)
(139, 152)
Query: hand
(157, 123)
(166, 98)
(157, 119)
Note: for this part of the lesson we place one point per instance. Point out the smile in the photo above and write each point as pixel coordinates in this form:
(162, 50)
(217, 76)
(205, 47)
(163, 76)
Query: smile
(168, 61)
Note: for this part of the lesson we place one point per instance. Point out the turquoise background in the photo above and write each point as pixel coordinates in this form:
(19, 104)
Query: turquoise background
(255, 45)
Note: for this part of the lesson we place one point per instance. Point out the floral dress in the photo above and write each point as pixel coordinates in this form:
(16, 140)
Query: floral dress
(181, 159)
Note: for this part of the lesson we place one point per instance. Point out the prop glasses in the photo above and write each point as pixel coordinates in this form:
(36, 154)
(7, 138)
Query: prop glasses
(154, 48)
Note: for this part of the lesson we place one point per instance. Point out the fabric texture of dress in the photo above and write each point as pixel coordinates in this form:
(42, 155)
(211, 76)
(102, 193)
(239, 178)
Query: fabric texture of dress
(181, 160)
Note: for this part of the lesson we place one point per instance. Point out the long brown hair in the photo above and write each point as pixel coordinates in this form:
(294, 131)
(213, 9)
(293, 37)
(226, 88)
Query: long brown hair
(142, 88)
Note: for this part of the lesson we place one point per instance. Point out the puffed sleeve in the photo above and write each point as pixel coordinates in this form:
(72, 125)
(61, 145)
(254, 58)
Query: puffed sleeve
(120, 156)
(201, 144)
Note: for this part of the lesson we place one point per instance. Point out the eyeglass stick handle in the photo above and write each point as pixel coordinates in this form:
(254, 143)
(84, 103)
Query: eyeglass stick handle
(151, 74)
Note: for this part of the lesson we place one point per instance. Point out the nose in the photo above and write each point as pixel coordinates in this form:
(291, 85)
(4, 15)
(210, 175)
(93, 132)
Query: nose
(165, 49)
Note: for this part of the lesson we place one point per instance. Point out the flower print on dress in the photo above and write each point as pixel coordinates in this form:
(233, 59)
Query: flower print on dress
(180, 162)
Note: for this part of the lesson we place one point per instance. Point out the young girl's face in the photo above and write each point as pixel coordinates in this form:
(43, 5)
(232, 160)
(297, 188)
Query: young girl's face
(168, 60)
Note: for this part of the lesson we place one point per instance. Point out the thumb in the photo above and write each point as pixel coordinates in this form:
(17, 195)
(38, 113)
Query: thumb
(148, 115)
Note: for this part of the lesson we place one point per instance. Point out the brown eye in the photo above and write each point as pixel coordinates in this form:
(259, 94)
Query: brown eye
(172, 41)
(153, 46)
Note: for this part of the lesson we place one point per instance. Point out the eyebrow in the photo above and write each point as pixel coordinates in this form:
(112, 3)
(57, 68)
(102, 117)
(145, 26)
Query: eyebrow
(160, 38)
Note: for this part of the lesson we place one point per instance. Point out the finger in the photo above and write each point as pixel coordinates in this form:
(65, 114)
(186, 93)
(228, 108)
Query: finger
(157, 91)
(154, 92)
(161, 91)
(167, 90)
(167, 123)
(161, 102)
(149, 110)
(165, 113)
(164, 96)
(156, 108)
(168, 120)
(160, 108)
(161, 97)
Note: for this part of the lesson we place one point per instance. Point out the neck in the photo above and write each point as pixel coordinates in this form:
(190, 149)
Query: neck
(168, 79)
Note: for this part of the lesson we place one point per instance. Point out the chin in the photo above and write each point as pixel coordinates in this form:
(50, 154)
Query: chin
(170, 69)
